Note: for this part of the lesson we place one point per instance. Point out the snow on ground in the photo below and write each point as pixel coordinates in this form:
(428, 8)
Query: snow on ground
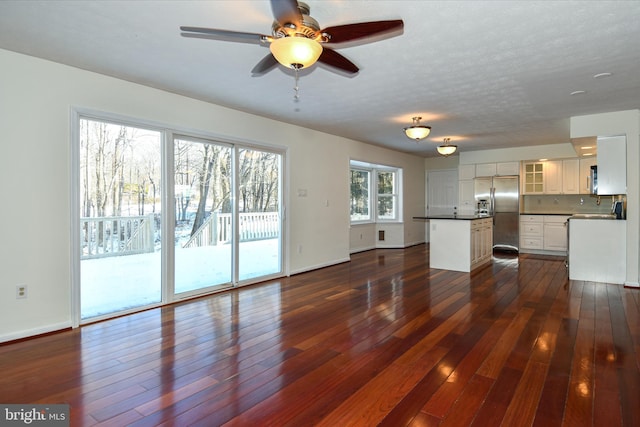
(121, 282)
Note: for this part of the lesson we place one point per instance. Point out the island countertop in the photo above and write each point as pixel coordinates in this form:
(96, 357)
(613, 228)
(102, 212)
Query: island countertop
(456, 217)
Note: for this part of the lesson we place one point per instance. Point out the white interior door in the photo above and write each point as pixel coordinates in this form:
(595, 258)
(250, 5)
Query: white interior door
(442, 192)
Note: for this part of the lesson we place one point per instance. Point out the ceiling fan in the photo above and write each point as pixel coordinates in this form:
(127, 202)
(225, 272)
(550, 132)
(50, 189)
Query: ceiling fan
(296, 40)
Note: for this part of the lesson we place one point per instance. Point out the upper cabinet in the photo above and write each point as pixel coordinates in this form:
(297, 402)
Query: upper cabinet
(508, 168)
(466, 172)
(585, 174)
(555, 177)
(480, 170)
(533, 182)
(571, 176)
(485, 169)
(612, 165)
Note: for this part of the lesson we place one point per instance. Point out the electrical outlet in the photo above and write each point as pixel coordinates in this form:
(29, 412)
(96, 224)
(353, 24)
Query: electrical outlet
(21, 291)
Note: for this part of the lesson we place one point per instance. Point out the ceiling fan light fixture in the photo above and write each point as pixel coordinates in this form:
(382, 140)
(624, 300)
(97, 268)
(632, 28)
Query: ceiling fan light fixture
(296, 52)
(447, 149)
(417, 131)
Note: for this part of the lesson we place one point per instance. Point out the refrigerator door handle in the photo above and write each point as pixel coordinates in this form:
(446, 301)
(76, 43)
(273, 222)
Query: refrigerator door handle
(493, 200)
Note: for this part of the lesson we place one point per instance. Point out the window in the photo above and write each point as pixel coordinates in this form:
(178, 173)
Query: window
(360, 182)
(381, 205)
(386, 195)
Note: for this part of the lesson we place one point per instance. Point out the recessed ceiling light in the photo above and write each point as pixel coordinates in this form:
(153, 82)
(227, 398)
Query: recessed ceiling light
(587, 154)
(586, 148)
(578, 92)
(602, 75)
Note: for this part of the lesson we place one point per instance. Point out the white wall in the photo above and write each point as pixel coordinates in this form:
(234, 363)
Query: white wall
(35, 106)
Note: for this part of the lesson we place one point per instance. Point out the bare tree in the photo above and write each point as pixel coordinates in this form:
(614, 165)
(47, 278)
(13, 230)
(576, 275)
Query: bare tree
(210, 155)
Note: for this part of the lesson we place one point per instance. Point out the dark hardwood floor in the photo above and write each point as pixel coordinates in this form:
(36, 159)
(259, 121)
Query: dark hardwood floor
(381, 340)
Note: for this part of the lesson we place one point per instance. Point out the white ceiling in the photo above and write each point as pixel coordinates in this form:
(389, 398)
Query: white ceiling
(487, 74)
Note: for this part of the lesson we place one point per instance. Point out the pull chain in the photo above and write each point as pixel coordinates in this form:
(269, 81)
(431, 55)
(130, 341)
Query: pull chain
(296, 89)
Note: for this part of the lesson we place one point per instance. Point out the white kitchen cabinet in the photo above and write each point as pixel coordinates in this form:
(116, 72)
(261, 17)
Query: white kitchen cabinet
(543, 234)
(481, 241)
(533, 181)
(466, 172)
(466, 197)
(485, 169)
(531, 236)
(459, 244)
(585, 174)
(553, 177)
(508, 168)
(554, 235)
(612, 165)
(571, 176)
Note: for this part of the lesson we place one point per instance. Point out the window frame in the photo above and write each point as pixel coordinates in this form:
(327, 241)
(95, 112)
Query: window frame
(368, 185)
(374, 171)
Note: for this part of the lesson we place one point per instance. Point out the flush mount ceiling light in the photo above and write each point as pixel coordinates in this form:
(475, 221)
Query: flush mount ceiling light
(296, 52)
(417, 131)
(447, 149)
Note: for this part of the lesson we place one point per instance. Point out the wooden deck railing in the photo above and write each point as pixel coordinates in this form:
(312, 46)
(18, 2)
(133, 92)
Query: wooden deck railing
(116, 235)
(127, 235)
(253, 226)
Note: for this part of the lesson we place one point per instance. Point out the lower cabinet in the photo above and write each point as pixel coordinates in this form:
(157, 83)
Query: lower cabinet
(481, 241)
(555, 233)
(543, 234)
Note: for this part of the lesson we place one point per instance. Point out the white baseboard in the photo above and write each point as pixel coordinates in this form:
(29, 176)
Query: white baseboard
(383, 246)
(319, 266)
(361, 249)
(631, 285)
(35, 331)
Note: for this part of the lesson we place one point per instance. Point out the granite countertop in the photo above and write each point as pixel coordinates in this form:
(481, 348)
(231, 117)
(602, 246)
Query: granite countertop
(547, 213)
(457, 217)
(577, 215)
(593, 216)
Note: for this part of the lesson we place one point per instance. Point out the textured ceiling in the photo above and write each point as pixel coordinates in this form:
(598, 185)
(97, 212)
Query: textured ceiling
(487, 74)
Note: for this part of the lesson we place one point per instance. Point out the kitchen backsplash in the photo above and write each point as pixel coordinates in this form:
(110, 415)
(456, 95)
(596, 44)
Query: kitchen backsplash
(565, 204)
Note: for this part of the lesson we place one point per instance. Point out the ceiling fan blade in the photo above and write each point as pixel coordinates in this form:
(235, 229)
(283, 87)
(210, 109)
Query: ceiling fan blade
(286, 12)
(350, 32)
(336, 60)
(214, 33)
(267, 63)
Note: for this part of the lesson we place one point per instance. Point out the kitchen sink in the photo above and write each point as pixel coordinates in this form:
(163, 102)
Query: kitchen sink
(593, 216)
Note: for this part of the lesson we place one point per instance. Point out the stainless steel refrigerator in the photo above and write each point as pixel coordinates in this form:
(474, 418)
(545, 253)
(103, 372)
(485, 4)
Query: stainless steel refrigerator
(499, 196)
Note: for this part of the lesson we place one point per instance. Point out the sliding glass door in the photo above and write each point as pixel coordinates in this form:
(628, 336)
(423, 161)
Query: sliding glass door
(203, 229)
(163, 218)
(259, 200)
(120, 234)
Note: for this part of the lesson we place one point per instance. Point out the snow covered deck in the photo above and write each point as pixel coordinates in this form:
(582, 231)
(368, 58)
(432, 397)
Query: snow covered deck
(123, 282)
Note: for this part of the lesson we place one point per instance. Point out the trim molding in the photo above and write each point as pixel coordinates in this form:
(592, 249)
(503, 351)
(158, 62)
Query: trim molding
(32, 333)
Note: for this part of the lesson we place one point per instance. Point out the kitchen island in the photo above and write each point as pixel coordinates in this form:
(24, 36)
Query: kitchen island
(597, 247)
(459, 242)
